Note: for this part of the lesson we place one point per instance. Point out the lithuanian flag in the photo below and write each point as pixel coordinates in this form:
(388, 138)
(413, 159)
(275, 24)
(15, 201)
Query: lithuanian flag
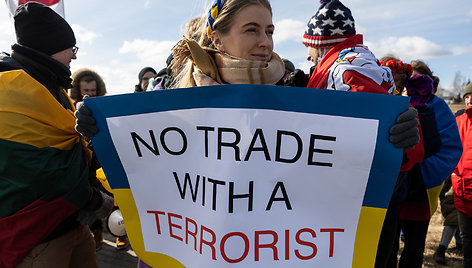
(43, 165)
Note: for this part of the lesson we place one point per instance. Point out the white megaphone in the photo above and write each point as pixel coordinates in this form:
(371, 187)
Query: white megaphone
(115, 224)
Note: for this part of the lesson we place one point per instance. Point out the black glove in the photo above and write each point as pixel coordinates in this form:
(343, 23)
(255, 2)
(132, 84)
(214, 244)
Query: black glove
(99, 206)
(404, 134)
(297, 79)
(85, 123)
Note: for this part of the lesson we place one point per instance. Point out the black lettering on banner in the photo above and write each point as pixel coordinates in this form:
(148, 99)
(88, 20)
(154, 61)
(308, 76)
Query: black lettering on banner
(153, 149)
(278, 147)
(206, 129)
(313, 150)
(233, 196)
(183, 191)
(215, 183)
(184, 140)
(284, 198)
(263, 147)
(233, 144)
(203, 191)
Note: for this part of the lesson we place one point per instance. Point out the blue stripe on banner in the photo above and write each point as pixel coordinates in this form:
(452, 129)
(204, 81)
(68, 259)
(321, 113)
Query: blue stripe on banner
(306, 100)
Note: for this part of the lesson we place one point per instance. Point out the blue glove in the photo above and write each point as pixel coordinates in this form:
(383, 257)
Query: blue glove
(405, 133)
(85, 123)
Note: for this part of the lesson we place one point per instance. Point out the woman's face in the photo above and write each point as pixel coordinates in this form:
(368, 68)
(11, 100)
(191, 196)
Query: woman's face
(145, 80)
(250, 36)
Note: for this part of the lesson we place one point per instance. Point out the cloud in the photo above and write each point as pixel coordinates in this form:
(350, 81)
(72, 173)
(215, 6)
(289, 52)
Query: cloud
(7, 28)
(147, 4)
(7, 38)
(461, 50)
(117, 80)
(288, 30)
(84, 35)
(121, 73)
(148, 50)
(464, 19)
(373, 16)
(408, 48)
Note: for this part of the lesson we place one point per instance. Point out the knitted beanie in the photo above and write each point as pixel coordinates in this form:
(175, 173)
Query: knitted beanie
(144, 71)
(138, 88)
(288, 65)
(467, 90)
(331, 24)
(41, 28)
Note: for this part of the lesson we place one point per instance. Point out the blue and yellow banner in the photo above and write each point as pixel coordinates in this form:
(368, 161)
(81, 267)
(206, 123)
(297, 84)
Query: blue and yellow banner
(250, 175)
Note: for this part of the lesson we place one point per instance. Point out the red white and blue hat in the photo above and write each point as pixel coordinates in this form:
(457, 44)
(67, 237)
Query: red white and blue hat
(331, 24)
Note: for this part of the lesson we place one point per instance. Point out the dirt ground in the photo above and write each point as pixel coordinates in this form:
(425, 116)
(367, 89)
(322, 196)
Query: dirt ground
(432, 241)
(455, 107)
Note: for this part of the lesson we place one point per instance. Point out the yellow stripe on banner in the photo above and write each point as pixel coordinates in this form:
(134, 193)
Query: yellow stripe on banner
(433, 196)
(367, 236)
(29, 114)
(130, 214)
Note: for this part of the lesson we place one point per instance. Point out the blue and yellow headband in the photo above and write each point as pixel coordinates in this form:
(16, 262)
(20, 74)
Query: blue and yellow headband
(213, 14)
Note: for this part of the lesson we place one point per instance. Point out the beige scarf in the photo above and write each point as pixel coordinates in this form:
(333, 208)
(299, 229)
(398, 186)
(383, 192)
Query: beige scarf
(212, 67)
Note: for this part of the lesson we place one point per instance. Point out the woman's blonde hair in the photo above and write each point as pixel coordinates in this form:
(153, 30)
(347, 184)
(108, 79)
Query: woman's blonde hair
(223, 24)
(193, 28)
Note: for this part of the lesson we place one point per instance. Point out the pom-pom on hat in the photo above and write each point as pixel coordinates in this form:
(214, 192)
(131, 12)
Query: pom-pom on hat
(331, 24)
(41, 28)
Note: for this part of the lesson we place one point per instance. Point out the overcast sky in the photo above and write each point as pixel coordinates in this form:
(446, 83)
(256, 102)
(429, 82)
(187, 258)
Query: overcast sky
(117, 38)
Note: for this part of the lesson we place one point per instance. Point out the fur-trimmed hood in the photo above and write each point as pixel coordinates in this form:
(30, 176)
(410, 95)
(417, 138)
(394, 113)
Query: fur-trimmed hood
(74, 92)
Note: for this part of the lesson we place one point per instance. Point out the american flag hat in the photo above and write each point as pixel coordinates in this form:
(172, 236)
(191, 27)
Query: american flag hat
(331, 24)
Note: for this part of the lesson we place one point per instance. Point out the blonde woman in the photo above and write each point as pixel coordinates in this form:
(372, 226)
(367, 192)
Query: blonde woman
(235, 47)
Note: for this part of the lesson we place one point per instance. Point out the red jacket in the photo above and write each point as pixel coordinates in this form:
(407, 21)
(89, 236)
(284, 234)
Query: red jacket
(462, 176)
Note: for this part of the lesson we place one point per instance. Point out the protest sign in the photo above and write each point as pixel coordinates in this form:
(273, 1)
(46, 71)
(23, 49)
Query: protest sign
(250, 175)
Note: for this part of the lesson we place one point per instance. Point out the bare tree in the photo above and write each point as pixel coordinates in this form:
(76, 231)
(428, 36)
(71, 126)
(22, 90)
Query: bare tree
(458, 85)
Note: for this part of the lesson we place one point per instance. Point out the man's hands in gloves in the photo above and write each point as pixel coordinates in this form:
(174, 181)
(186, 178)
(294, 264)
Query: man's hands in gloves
(85, 123)
(99, 206)
(405, 133)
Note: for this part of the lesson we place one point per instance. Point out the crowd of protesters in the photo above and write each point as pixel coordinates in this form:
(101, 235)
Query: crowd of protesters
(52, 204)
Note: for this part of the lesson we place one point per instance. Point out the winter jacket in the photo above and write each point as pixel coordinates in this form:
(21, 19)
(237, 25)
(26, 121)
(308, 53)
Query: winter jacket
(462, 176)
(350, 66)
(443, 150)
(437, 167)
(44, 175)
(448, 209)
